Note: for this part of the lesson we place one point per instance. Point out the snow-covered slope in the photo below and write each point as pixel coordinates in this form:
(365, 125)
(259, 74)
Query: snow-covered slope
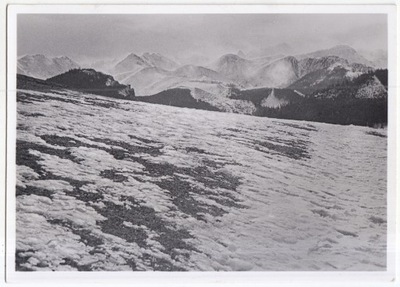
(159, 61)
(144, 78)
(152, 80)
(273, 102)
(42, 67)
(116, 185)
(144, 71)
(132, 64)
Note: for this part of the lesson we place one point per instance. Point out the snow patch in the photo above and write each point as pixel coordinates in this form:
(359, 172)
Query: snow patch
(273, 102)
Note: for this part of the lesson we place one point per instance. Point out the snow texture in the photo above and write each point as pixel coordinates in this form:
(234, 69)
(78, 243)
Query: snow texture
(106, 184)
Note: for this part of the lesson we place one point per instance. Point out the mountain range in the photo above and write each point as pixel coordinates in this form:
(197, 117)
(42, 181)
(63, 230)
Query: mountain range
(342, 51)
(151, 73)
(231, 83)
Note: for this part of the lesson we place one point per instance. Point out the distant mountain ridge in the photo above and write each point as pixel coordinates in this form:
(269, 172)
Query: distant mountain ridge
(342, 51)
(133, 63)
(305, 74)
(233, 67)
(275, 86)
(151, 73)
(42, 67)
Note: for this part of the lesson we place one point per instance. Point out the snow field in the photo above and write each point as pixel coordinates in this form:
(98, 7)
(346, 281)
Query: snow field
(107, 184)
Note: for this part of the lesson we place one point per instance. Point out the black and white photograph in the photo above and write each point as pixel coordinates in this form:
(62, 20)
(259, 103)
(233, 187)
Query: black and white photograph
(201, 141)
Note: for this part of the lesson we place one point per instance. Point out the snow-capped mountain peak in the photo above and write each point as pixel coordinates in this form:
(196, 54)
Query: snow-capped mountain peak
(134, 63)
(42, 67)
(160, 61)
(131, 63)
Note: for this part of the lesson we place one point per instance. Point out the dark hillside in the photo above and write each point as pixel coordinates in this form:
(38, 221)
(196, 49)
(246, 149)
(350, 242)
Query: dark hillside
(319, 79)
(29, 83)
(344, 111)
(91, 81)
(177, 98)
(382, 75)
(257, 95)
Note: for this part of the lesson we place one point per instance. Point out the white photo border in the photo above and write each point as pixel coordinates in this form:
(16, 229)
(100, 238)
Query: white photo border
(202, 278)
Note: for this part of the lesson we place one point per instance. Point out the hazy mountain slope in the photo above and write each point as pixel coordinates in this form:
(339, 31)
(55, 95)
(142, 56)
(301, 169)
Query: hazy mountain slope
(283, 49)
(104, 65)
(159, 61)
(280, 73)
(150, 81)
(258, 63)
(342, 51)
(319, 79)
(42, 67)
(132, 63)
(241, 54)
(308, 65)
(145, 78)
(320, 73)
(378, 57)
(144, 71)
(234, 68)
(197, 72)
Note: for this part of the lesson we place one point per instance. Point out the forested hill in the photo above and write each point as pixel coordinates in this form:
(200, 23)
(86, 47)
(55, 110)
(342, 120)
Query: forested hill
(91, 81)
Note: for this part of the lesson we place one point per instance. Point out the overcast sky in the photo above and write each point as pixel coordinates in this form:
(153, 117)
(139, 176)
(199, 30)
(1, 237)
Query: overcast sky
(89, 37)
